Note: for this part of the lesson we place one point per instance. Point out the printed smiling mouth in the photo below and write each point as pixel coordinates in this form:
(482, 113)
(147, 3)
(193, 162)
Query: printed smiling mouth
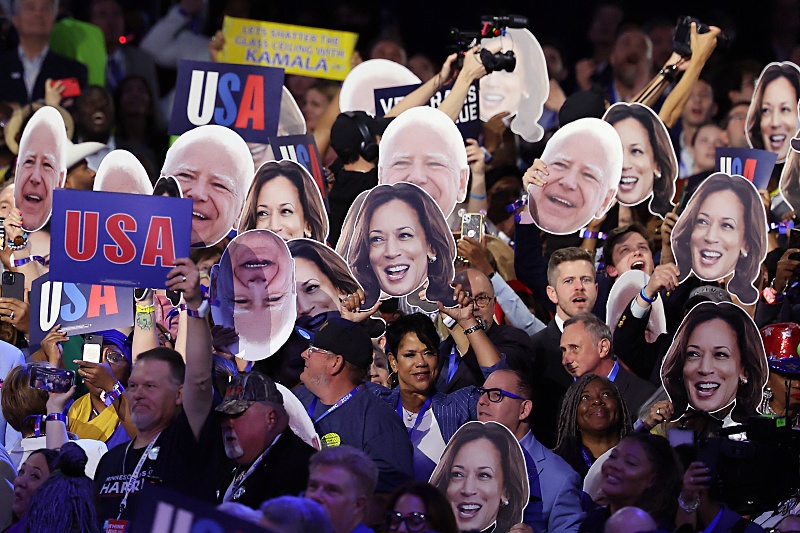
(492, 98)
(777, 139)
(256, 263)
(628, 181)
(710, 256)
(468, 510)
(33, 198)
(396, 272)
(201, 216)
(707, 388)
(560, 202)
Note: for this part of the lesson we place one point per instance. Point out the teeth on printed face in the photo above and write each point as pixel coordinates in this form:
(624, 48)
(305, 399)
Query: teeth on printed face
(629, 180)
(198, 215)
(708, 254)
(561, 201)
(708, 386)
(396, 269)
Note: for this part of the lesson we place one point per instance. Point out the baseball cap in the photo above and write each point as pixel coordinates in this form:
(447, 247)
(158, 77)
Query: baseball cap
(247, 388)
(342, 337)
(707, 293)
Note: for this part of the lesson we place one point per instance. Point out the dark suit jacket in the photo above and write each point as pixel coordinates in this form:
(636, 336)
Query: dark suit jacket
(550, 381)
(54, 66)
(634, 390)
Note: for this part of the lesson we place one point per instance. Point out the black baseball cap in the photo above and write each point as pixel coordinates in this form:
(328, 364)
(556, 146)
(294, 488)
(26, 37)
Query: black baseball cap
(247, 388)
(342, 337)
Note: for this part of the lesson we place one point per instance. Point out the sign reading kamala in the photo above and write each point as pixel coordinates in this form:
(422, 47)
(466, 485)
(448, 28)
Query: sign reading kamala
(468, 121)
(754, 164)
(78, 307)
(117, 239)
(244, 98)
(297, 49)
(300, 149)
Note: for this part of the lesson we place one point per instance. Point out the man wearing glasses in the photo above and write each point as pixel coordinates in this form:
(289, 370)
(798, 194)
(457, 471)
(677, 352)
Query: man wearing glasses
(458, 354)
(343, 409)
(555, 502)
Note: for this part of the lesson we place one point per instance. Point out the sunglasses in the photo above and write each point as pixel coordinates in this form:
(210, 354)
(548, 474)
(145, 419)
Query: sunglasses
(494, 395)
(414, 521)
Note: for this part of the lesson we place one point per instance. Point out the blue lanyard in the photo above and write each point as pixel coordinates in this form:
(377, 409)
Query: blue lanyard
(714, 523)
(451, 365)
(421, 413)
(614, 371)
(343, 400)
(586, 458)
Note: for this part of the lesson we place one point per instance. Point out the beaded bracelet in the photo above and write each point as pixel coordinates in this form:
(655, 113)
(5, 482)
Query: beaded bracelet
(23, 242)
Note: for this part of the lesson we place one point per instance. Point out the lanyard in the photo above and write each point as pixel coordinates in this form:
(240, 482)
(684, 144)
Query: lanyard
(451, 366)
(614, 371)
(343, 400)
(586, 458)
(135, 475)
(420, 415)
(234, 486)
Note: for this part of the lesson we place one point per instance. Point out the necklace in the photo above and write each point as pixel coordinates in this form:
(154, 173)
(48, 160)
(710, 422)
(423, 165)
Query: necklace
(409, 414)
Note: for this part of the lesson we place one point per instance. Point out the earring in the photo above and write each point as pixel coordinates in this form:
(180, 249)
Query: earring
(307, 233)
(431, 259)
(504, 502)
(743, 381)
(744, 254)
(658, 175)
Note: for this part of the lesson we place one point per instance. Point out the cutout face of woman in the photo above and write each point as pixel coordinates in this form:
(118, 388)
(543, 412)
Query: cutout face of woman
(398, 248)
(717, 238)
(279, 209)
(476, 485)
(639, 167)
(501, 91)
(598, 411)
(778, 116)
(713, 366)
(315, 291)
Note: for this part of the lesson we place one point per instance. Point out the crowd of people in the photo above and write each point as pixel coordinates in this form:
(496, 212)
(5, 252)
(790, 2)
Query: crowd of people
(574, 319)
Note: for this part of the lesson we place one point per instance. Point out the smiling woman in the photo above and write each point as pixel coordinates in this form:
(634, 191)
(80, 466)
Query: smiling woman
(772, 118)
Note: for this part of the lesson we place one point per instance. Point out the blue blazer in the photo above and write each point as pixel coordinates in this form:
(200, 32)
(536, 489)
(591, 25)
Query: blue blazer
(451, 410)
(560, 485)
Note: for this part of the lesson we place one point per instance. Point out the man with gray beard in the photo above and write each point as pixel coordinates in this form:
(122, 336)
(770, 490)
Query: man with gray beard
(267, 459)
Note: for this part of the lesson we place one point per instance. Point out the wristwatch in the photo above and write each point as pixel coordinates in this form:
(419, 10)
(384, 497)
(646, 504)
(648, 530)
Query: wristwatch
(474, 328)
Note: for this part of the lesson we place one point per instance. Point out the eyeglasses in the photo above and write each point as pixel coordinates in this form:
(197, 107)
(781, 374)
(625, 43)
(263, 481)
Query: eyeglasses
(494, 395)
(115, 357)
(414, 521)
(313, 349)
(483, 300)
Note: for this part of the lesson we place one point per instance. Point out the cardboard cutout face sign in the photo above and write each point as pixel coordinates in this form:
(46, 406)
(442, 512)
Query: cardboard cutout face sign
(323, 277)
(423, 146)
(483, 475)
(772, 118)
(254, 283)
(622, 292)
(649, 165)
(790, 176)
(716, 359)
(41, 167)
(214, 168)
(400, 241)
(358, 88)
(723, 230)
(120, 171)
(521, 92)
(584, 162)
(285, 199)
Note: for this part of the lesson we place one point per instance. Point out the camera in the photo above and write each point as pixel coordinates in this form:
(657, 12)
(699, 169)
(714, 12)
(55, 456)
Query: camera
(681, 41)
(491, 26)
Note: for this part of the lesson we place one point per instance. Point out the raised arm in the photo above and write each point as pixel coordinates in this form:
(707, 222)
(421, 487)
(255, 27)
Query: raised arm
(197, 387)
(422, 94)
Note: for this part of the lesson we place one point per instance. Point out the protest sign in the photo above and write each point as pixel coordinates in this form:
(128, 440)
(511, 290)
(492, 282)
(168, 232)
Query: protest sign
(117, 239)
(300, 149)
(244, 98)
(315, 52)
(468, 121)
(78, 307)
(755, 165)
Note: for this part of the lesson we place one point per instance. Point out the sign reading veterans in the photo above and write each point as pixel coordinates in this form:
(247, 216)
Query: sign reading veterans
(300, 149)
(755, 165)
(78, 307)
(117, 239)
(468, 121)
(299, 50)
(244, 98)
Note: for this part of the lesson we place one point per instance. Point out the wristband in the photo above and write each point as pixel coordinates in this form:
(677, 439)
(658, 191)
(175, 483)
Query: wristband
(25, 260)
(688, 508)
(144, 309)
(645, 298)
(586, 234)
(477, 197)
(201, 311)
(56, 417)
(474, 328)
(113, 395)
(771, 296)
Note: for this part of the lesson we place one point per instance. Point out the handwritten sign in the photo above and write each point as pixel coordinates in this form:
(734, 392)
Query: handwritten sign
(300, 149)
(468, 121)
(755, 165)
(244, 98)
(117, 239)
(299, 50)
(78, 307)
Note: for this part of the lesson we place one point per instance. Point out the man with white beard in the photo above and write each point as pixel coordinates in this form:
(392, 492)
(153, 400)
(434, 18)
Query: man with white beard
(267, 459)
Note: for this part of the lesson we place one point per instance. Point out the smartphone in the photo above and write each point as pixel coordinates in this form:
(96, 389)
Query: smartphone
(472, 226)
(14, 285)
(71, 87)
(92, 348)
(52, 379)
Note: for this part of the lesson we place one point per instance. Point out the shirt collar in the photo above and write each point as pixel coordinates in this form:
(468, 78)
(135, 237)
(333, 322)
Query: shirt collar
(38, 59)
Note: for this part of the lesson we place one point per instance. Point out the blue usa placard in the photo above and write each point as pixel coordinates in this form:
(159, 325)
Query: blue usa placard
(78, 307)
(107, 238)
(468, 121)
(755, 165)
(244, 98)
(301, 149)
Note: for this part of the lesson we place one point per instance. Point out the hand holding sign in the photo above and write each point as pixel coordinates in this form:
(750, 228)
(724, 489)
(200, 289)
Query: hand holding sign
(185, 278)
(51, 345)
